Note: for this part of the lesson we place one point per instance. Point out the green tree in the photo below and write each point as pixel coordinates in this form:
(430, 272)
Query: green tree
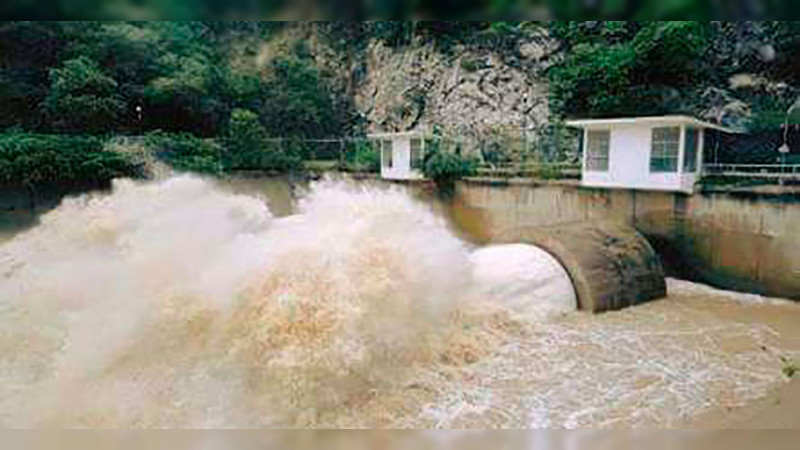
(36, 160)
(186, 152)
(28, 50)
(615, 68)
(443, 167)
(299, 101)
(82, 98)
(188, 97)
(244, 130)
(249, 148)
(129, 52)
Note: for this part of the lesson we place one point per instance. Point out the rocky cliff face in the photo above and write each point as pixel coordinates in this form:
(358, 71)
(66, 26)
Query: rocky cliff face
(481, 95)
(468, 92)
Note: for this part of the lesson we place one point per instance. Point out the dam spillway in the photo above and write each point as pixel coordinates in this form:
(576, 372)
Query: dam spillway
(176, 304)
(610, 264)
(743, 239)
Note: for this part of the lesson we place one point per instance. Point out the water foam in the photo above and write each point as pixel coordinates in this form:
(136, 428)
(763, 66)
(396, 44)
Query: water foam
(172, 304)
(525, 279)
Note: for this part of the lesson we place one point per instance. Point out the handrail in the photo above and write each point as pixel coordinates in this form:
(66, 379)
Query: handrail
(528, 164)
(760, 166)
(753, 170)
(530, 169)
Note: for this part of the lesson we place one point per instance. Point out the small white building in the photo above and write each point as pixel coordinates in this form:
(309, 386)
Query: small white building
(401, 153)
(650, 153)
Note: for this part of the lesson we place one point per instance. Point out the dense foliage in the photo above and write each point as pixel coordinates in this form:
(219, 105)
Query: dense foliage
(186, 152)
(201, 91)
(363, 157)
(135, 77)
(35, 161)
(444, 168)
(214, 95)
(744, 73)
(249, 148)
(82, 99)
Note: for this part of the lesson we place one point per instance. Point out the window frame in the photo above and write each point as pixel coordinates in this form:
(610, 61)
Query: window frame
(592, 157)
(416, 159)
(661, 150)
(387, 153)
(691, 153)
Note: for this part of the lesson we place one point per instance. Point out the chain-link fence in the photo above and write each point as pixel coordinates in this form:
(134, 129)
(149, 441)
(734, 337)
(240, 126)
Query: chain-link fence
(498, 154)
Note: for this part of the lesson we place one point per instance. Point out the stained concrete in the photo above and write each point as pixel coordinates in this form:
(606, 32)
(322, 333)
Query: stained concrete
(610, 264)
(741, 240)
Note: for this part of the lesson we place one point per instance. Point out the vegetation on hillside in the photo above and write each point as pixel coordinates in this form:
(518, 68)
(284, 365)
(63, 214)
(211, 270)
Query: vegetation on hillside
(444, 168)
(212, 96)
(187, 85)
(393, 10)
(135, 77)
(743, 73)
(37, 161)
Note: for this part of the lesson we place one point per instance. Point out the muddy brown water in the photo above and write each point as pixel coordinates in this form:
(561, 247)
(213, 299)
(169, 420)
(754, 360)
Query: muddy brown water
(699, 352)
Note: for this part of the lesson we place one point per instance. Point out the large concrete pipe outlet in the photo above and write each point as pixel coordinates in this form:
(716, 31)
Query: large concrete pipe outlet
(611, 265)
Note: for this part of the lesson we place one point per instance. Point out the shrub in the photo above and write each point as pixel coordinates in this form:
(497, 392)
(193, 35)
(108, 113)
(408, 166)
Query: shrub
(472, 64)
(271, 156)
(548, 172)
(82, 98)
(38, 160)
(245, 132)
(368, 160)
(186, 152)
(362, 156)
(248, 148)
(446, 168)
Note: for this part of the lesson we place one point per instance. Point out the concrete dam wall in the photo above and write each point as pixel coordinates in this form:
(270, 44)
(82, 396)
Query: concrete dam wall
(611, 266)
(747, 240)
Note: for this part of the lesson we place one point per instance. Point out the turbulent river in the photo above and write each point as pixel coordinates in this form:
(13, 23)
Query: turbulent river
(189, 304)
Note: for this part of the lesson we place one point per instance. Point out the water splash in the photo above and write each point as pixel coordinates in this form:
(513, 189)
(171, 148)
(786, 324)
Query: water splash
(525, 279)
(173, 304)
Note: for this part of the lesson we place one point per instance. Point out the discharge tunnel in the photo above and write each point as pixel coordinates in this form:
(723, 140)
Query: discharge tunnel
(610, 264)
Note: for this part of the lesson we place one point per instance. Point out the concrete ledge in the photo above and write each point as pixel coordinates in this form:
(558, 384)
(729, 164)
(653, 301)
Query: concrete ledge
(521, 181)
(611, 265)
(787, 194)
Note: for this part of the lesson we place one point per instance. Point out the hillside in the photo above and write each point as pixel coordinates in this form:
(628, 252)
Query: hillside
(483, 81)
(463, 83)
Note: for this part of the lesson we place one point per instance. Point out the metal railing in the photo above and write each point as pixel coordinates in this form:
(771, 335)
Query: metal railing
(353, 153)
(769, 171)
(531, 169)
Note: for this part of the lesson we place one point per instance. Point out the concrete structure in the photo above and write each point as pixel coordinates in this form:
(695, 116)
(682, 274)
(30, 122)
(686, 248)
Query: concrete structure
(649, 153)
(611, 266)
(746, 240)
(401, 154)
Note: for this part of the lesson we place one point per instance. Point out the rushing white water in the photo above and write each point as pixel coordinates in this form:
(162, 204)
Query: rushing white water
(173, 304)
(525, 279)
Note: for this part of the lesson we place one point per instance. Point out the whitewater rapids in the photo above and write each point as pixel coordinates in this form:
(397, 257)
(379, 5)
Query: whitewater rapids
(174, 304)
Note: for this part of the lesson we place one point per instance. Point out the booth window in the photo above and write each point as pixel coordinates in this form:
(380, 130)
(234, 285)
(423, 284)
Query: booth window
(416, 153)
(597, 150)
(664, 150)
(386, 152)
(691, 144)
